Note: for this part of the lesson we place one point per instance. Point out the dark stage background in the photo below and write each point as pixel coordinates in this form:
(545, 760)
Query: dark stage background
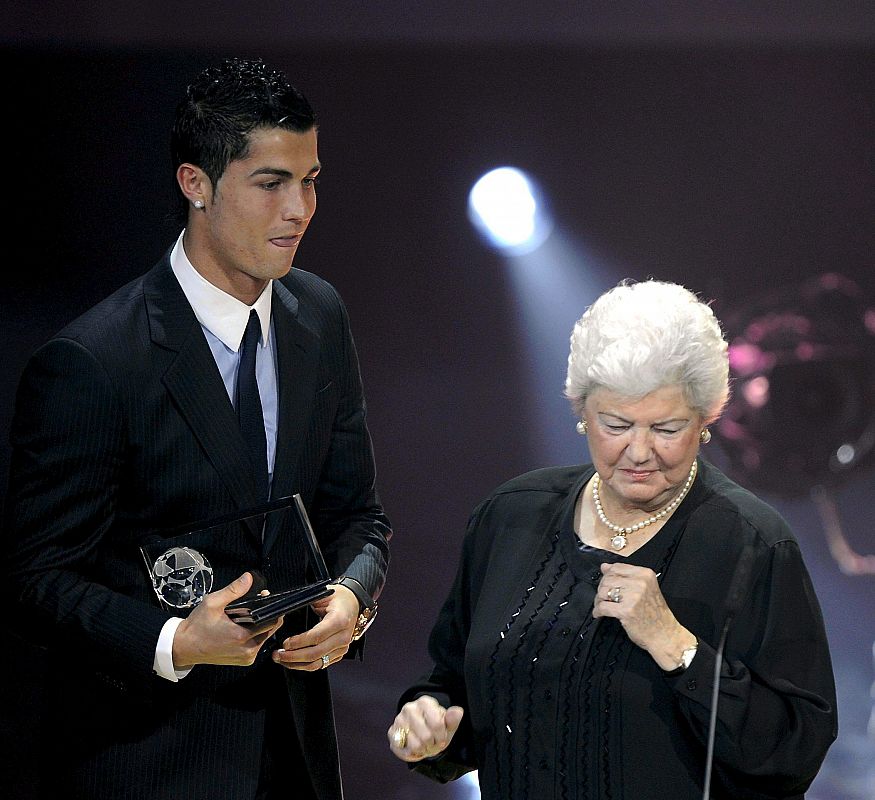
(737, 165)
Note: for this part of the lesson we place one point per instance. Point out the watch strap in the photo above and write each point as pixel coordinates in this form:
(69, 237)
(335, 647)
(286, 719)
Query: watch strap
(367, 606)
(361, 594)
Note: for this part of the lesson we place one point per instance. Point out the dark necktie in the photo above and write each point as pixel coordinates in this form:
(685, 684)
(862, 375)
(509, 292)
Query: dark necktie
(249, 411)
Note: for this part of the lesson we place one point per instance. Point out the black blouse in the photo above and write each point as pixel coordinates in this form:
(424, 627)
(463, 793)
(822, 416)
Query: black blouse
(559, 705)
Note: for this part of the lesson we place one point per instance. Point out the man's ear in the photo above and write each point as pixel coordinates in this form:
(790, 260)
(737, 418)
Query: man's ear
(194, 184)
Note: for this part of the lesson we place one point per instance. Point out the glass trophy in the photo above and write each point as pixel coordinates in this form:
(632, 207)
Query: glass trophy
(186, 564)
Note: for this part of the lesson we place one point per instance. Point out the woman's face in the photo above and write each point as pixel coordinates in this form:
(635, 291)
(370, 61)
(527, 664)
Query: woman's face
(643, 449)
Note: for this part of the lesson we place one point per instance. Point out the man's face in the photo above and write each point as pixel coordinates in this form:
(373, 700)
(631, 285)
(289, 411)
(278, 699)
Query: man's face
(258, 213)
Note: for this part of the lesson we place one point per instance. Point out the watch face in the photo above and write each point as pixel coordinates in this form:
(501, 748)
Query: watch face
(688, 655)
(364, 622)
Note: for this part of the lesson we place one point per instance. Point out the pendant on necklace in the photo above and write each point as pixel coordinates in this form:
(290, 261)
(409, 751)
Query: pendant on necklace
(618, 542)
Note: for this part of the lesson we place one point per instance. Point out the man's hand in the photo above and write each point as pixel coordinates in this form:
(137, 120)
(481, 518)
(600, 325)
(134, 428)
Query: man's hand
(208, 636)
(330, 637)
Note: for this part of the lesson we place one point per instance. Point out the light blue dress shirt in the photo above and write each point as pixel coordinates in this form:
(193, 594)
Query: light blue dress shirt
(223, 319)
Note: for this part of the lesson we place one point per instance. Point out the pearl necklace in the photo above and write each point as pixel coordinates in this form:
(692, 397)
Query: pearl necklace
(618, 542)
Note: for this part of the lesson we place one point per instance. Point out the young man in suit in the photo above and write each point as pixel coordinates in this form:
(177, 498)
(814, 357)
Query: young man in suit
(138, 418)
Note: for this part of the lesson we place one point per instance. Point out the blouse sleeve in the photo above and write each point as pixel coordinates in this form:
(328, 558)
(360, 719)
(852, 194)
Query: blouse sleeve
(446, 679)
(776, 709)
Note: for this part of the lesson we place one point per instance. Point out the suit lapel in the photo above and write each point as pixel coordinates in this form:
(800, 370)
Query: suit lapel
(297, 375)
(193, 381)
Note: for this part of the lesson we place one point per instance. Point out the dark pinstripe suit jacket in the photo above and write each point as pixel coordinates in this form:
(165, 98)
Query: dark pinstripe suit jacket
(122, 427)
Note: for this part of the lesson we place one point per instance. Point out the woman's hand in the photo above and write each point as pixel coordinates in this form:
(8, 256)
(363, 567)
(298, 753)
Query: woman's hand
(632, 595)
(423, 728)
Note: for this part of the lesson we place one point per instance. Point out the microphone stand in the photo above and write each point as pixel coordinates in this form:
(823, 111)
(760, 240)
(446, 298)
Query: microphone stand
(712, 721)
(734, 599)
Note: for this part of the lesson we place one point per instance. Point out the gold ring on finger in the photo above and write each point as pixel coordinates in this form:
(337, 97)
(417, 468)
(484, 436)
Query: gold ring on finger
(399, 738)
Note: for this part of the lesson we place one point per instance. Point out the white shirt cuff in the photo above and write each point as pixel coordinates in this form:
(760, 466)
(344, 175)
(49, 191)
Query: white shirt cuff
(163, 664)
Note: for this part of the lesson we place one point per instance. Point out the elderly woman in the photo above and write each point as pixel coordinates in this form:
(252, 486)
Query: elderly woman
(575, 653)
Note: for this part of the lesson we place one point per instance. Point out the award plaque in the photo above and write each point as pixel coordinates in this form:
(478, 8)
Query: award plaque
(185, 565)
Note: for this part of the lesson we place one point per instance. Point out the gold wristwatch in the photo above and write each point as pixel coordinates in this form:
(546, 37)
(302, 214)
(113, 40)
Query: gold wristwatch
(367, 606)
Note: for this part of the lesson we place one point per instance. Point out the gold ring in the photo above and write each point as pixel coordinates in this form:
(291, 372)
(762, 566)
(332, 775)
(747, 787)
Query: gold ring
(399, 738)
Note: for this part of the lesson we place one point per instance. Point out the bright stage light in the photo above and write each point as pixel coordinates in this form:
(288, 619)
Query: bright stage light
(505, 205)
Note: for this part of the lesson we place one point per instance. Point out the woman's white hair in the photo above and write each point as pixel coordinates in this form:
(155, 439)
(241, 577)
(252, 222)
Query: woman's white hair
(639, 337)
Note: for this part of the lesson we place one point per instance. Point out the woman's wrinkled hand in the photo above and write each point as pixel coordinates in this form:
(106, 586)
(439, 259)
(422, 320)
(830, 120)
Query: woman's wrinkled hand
(632, 595)
(423, 728)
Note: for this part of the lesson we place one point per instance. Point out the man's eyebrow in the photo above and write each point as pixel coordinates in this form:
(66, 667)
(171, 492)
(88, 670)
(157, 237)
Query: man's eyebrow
(281, 173)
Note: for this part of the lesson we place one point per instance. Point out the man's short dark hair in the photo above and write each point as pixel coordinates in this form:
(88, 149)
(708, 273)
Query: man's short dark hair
(221, 108)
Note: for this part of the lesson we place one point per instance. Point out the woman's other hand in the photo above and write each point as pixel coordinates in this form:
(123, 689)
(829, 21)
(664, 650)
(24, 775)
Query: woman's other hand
(423, 728)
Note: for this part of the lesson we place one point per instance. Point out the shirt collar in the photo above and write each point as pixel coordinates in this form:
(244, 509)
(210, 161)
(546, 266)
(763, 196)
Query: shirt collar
(220, 313)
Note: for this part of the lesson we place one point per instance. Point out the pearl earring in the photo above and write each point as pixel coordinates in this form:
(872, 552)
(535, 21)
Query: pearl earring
(198, 203)
(704, 436)
(581, 427)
